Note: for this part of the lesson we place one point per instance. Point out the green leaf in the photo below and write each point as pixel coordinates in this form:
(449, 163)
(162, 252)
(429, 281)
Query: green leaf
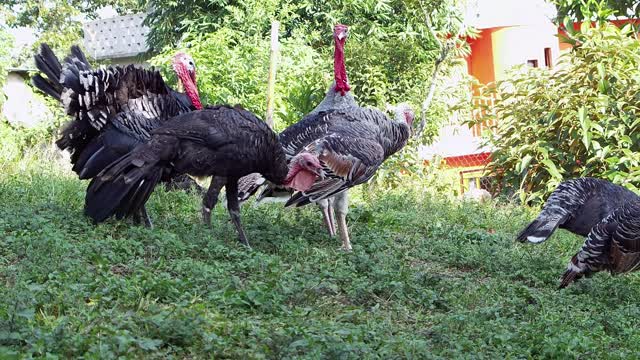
(551, 168)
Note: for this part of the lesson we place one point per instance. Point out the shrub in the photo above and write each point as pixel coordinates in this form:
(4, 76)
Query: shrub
(579, 119)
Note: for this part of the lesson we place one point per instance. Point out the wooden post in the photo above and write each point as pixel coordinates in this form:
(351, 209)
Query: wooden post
(271, 82)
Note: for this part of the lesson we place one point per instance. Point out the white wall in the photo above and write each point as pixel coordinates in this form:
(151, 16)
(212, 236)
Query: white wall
(22, 107)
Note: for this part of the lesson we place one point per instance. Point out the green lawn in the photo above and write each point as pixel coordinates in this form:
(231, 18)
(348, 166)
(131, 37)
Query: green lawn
(428, 278)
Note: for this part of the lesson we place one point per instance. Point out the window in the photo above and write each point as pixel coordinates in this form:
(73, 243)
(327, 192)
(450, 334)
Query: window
(532, 63)
(547, 58)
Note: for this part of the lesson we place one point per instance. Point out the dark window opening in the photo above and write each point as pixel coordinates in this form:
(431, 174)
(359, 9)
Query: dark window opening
(532, 63)
(547, 57)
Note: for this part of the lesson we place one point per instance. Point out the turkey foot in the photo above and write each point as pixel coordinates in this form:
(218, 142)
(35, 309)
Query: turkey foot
(233, 206)
(211, 198)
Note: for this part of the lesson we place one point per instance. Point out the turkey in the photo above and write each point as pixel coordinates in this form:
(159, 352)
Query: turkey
(576, 205)
(224, 142)
(613, 244)
(356, 142)
(338, 97)
(113, 109)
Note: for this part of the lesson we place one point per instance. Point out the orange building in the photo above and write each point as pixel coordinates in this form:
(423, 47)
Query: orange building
(512, 32)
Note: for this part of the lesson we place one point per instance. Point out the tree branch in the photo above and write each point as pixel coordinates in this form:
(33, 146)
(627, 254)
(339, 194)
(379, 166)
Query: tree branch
(445, 50)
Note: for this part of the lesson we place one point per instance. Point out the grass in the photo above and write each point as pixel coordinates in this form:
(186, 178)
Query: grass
(429, 277)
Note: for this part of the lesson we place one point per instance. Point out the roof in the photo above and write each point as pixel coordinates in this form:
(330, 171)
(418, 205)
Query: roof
(116, 37)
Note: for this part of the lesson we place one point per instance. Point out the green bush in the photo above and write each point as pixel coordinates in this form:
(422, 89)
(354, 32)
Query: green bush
(579, 119)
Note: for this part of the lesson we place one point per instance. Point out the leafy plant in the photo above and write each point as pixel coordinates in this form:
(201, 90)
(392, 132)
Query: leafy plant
(596, 10)
(428, 275)
(6, 44)
(579, 119)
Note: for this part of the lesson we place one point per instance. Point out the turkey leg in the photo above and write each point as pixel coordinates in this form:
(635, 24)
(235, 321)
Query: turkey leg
(146, 218)
(342, 207)
(327, 214)
(234, 209)
(142, 217)
(211, 198)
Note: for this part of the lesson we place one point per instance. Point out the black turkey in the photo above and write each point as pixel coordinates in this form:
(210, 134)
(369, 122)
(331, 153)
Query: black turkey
(224, 142)
(613, 244)
(576, 205)
(113, 109)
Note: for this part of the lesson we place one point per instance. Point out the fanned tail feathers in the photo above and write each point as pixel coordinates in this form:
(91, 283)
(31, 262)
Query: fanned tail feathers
(48, 64)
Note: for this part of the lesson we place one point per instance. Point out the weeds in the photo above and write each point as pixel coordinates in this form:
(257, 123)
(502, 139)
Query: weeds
(430, 277)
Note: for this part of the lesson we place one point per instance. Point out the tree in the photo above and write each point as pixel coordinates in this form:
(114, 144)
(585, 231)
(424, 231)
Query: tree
(596, 10)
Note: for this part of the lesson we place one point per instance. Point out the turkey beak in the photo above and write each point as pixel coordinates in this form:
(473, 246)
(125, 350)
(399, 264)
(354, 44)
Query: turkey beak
(342, 35)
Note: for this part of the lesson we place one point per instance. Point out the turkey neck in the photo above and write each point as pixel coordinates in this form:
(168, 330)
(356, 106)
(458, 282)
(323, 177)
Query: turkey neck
(395, 136)
(189, 86)
(278, 169)
(339, 67)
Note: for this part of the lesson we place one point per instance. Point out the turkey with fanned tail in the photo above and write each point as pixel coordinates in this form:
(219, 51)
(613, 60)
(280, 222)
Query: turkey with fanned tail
(223, 142)
(576, 205)
(113, 109)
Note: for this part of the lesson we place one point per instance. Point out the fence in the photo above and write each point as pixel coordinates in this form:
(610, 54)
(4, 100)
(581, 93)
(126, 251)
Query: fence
(480, 108)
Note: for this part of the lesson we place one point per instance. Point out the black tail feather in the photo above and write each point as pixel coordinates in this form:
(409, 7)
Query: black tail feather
(121, 189)
(47, 62)
(77, 52)
(75, 136)
(102, 151)
(540, 229)
(46, 86)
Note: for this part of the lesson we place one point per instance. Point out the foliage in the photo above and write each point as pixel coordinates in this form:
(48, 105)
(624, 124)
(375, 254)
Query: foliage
(232, 69)
(596, 10)
(6, 44)
(427, 276)
(579, 119)
(170, 21)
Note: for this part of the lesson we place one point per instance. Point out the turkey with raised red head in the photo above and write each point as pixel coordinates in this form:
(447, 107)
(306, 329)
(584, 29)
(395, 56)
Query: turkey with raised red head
(311, 127)
(224, 142)
(113, 109)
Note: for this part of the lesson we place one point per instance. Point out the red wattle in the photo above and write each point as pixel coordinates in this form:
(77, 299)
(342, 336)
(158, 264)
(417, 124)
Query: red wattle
(188, 81)
(339, 68)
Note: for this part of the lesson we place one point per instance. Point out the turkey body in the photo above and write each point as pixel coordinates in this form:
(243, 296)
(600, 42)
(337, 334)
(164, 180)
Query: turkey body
(224, 142)
(613, 244)
(576, 205)
(350, 145)
(113, 109)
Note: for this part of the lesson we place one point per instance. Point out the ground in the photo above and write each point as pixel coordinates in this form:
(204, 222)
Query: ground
(429, 277)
